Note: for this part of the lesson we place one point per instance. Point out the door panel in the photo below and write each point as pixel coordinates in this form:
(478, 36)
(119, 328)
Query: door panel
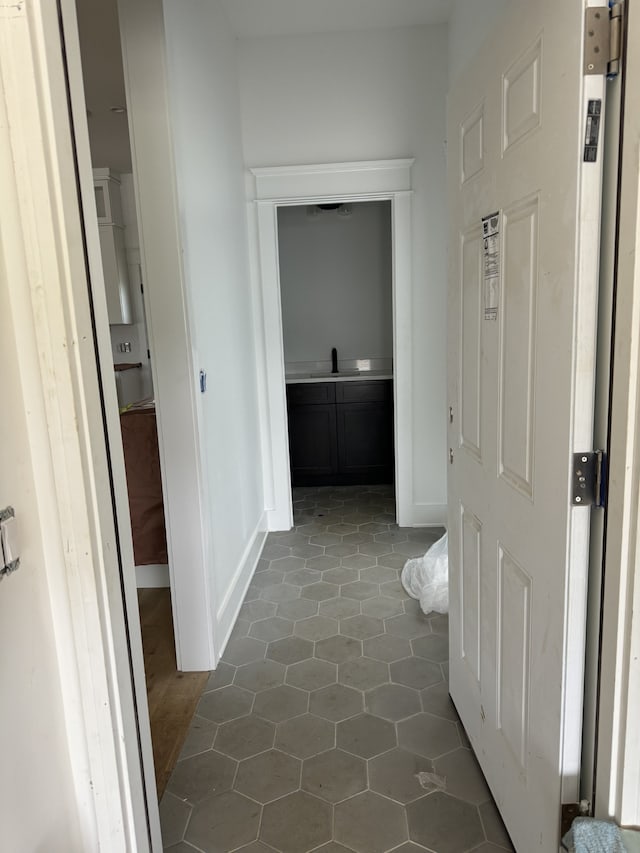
(521, 390)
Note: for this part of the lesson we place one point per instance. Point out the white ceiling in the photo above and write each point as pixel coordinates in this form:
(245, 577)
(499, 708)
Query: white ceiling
(254, 18)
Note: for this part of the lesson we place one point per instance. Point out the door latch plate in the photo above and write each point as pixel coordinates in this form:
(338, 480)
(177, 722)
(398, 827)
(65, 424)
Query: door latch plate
(587, 479)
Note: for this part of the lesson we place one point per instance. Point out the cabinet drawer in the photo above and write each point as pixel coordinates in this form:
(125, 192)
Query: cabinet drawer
(314, 393)
(376, 391)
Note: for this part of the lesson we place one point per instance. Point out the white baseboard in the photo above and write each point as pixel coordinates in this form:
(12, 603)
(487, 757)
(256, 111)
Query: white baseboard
(152, 576)
(428, 515)
(232, 602)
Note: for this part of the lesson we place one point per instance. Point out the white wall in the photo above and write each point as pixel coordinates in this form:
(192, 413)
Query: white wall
(335, 280)
(205, 119)
(367, 96)
(36, 790)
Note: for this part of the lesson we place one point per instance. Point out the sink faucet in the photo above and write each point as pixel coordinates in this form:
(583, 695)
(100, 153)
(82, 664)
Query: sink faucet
(334, 360)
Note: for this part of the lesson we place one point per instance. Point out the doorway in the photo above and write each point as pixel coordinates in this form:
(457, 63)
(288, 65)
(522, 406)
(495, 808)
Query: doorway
(336, 302)
(350, 183)
(132, 424)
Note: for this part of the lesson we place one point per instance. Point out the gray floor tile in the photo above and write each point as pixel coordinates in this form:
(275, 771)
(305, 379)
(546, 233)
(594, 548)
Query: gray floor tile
(414, 672)
(288, 564)
(444, 823)
(254, 610)
(220, 677)
(312, 674)
(336, 702)
(340, 575)
(436, 700)
(382, 607)
(260, 675)
(223, 823)
(321, 591)
(304, 577)
(323, 563)
(409, 626)
(379, 574)
(244, 650)
(394, 589)
(199, 738)
(224, 704)
(316, 628)
(361, 627)
(281, 703)
(358, 561)
(392, 561)
(267, 578)
(463, 776)
(366, 735)
(290, 650)
(311, 735)
(340, 608)
(494, 827)
(245, 737)
(334, 775)
(393, 702)
(369, 823)
(338, 649)
(281, 592)
(360, 590)
(395, 775)
(305, 736)
(297, 608)
(201, 776)
(434, 647)
(387, 648)
(428, 735)
(174, 815)
(346, 549)
(363, 673)
(296, 823)
(268, 776)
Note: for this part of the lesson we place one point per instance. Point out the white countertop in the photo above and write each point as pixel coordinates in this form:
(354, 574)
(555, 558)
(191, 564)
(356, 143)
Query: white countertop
(347, 376)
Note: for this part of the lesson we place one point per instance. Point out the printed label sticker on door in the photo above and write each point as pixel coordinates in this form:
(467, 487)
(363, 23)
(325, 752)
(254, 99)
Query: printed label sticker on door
(491, 265)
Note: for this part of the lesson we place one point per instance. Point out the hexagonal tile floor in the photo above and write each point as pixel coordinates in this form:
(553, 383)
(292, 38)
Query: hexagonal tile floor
(330, 706)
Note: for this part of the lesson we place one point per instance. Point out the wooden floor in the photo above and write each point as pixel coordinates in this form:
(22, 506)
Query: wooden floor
(172, 695)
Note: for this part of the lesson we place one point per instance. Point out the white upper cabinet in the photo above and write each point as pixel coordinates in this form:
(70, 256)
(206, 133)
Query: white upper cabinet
(114, 261)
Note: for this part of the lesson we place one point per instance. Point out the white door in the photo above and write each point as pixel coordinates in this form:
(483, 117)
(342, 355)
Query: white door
(520, 387)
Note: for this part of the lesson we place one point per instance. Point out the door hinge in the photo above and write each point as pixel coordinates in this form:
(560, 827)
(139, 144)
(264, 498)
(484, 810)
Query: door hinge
(603, 39)
(588, 479)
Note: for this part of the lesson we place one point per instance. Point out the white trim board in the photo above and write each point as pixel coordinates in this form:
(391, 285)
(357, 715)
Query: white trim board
(279, 186)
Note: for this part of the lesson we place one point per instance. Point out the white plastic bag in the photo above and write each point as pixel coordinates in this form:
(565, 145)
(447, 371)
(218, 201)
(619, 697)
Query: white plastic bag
(427, 578)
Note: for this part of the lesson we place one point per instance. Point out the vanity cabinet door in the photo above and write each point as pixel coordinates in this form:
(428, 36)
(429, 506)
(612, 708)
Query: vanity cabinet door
(312, 442)
(365, 442)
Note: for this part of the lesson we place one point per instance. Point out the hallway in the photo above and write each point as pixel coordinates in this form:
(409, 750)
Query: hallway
(327, 726)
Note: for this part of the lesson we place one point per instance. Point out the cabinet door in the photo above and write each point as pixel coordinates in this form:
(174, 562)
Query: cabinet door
(312, 443)
(365, 441)
(116, 274)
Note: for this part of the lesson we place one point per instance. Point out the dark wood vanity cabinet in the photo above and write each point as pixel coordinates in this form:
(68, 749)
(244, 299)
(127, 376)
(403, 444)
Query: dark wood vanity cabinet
(341, 433)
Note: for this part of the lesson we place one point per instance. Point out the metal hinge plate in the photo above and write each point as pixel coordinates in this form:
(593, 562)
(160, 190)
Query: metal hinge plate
(603, 39)
(588, 479)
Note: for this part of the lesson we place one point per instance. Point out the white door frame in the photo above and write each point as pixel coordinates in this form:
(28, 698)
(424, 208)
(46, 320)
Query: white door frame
(44, 254)
(174, 358)
(618, 739)
(280, 186)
